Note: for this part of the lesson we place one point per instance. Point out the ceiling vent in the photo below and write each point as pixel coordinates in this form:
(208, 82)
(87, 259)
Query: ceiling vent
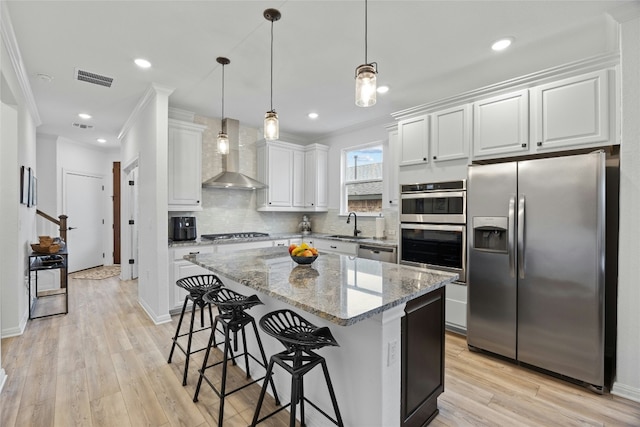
(96, 79)
(83, 126)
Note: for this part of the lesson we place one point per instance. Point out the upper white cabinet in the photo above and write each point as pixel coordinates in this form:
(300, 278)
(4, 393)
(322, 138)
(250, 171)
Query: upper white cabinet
(316, 163)
(184, 166)
(501, 125)
(296, 177)
(451, 133)
(571, 112)
(413, 140)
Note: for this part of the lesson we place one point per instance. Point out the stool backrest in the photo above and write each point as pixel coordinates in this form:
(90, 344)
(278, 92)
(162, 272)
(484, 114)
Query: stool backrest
(200, 284)
(293, 331)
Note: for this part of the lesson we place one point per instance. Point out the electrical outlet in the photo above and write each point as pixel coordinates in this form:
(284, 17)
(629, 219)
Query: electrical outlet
(392, 353)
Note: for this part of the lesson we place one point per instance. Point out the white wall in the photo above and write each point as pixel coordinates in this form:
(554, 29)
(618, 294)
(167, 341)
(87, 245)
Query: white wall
(146, 137)
(627, 381)
(18, 143)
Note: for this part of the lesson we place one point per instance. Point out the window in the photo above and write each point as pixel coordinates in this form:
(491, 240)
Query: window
(362, 179)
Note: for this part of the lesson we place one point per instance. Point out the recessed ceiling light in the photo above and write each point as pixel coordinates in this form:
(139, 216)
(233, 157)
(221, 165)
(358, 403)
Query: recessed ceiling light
(142, 63)
(383, 89)
(502, 43)
(101, 140)
(84, 116)
(313, 115)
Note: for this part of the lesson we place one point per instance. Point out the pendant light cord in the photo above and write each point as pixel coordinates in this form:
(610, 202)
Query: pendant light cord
(223, 93)
(271, 65)
(365, 31)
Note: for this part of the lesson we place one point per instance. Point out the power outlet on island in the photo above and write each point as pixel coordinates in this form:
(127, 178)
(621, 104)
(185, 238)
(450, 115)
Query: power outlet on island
(392, 353)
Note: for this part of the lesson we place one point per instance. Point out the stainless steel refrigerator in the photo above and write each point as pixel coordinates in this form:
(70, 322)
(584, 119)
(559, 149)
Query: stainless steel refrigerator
(536, 280)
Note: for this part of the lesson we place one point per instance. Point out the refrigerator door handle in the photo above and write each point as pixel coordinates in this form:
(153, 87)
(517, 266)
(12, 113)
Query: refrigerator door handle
(511, 236)
(521, 219)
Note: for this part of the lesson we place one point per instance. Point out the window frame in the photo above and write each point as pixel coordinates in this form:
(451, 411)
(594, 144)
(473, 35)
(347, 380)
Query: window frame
(343, 174)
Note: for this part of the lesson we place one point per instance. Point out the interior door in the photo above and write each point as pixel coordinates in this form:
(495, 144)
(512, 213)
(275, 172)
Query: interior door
(84, 207)
(132, 217)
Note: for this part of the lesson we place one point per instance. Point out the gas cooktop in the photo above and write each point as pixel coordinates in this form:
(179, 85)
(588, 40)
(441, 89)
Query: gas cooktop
(231, 236)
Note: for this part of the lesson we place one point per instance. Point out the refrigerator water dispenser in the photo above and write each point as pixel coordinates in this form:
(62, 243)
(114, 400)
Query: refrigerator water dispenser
(490, 234)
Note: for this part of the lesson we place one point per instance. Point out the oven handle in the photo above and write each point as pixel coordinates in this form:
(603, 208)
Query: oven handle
(433, 195)
(511, 236)
(423, 226)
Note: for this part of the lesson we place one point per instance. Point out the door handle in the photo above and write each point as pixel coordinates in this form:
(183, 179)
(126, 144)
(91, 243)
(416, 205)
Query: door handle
(511, 236)
(521, 236)
(71, 228)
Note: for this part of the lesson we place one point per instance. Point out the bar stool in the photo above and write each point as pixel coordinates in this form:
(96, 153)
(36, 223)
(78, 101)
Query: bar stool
(299, 337)
(233, 318)
(197, 287)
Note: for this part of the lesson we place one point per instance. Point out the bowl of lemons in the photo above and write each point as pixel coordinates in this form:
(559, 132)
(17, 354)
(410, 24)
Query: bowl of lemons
(303, 254)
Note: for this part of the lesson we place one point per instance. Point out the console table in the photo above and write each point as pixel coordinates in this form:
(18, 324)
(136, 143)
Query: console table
(57, 299)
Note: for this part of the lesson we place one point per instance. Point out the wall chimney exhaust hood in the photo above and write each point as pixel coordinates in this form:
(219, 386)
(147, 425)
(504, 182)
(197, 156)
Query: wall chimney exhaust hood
(230, 177)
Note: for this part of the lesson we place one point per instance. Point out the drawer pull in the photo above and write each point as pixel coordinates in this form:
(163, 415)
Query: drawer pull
(194, 253)
(333, 247)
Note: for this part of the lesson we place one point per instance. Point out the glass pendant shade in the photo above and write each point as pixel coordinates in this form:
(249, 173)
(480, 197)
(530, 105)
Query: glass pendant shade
(271, 127)
(365, 85)
(223, 143)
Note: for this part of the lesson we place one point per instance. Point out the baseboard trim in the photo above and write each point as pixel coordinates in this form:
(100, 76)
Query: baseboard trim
(3, 378)
(157, 320)
(628, 392)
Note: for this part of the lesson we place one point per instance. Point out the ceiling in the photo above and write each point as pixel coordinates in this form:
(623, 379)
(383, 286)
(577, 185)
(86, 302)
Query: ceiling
(425, 50)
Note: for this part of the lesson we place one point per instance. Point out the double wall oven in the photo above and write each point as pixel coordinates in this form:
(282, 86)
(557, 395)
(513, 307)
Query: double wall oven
(433, 226)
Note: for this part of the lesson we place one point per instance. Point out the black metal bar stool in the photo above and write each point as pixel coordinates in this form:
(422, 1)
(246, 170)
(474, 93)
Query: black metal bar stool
(299, 337)
(197, 286)
(233, 318)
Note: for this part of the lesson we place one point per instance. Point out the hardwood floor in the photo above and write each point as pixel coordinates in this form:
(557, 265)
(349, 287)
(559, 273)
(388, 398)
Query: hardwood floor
(105, 364)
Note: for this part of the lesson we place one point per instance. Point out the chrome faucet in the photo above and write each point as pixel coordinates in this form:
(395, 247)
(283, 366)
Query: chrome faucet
(355, 223)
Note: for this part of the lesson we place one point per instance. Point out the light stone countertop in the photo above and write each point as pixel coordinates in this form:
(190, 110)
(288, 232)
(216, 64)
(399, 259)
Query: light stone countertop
(276, 236)
(341, 289)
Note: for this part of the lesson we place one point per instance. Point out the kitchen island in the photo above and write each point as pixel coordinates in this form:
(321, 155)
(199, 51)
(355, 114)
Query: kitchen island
(388, 319)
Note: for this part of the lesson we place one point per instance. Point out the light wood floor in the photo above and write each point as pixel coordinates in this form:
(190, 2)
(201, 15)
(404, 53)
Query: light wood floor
(104, 364)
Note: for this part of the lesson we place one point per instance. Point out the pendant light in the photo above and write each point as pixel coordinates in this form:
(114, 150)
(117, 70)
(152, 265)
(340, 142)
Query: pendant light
(366, 75)
(223, 138)
(271, 127)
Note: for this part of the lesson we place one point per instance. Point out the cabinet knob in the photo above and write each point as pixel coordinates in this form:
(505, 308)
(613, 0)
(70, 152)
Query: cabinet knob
(434, 157)
(424, 159)
(524, 145)
(539, 143)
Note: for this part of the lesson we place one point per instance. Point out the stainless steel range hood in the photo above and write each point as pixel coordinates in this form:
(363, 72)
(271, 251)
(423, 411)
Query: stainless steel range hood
(230, 177)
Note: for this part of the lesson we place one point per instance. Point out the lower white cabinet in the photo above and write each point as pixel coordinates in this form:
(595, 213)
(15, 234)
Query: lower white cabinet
(335, 246)
(181, 268)
(456, 307)
(231, 247)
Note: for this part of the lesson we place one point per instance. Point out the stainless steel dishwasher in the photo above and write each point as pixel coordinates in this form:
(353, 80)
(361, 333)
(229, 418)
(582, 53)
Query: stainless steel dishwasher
(378, 252)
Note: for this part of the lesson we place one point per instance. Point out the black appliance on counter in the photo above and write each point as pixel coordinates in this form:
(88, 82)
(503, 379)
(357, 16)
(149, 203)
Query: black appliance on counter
(183, 228)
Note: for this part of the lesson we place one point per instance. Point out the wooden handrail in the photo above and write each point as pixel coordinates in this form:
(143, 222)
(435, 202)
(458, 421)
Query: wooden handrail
(62, 222)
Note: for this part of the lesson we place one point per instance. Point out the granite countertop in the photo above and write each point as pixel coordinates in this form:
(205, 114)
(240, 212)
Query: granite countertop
(277, 236)
(339, 288)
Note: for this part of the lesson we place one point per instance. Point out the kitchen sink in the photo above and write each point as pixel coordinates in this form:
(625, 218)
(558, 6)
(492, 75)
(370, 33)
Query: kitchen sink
(345, 236)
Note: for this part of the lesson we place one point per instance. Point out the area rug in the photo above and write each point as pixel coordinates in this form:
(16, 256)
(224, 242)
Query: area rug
(97, 273)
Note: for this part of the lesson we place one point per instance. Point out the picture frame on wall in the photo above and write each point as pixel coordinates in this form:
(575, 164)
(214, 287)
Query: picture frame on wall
(25, 181)
(33, 193)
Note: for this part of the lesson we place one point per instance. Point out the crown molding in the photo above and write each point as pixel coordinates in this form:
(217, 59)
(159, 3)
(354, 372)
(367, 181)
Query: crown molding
(151, 92)
(593, 63)
(11, 43)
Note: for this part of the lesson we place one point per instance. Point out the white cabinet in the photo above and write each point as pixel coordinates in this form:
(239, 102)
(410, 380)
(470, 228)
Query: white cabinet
(501, 125)
(451, 133)
(335, 246)
(391, 162)
(413, 137)
(571, 112)
(296, 177)
(232, 247)
(181, 268)
(184, 166)
(316, 164)
(456, 307)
